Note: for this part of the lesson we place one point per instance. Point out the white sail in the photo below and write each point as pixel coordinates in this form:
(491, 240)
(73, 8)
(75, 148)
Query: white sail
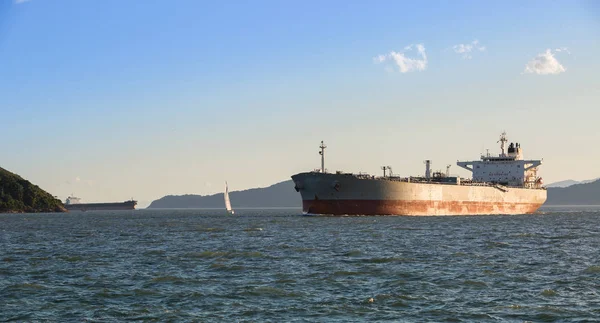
(227, 202)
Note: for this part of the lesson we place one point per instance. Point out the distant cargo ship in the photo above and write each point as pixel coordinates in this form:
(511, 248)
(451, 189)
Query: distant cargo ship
(73, 204)
(502, 184)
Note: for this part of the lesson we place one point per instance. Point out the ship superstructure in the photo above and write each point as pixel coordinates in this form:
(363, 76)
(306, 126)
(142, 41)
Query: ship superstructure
(508, 168)
(503, 184)
(72, 200)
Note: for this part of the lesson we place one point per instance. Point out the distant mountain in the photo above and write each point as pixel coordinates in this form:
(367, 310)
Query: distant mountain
(565, 183)
(18, 195)
(278, 195)
(577, 194)
(569, 182)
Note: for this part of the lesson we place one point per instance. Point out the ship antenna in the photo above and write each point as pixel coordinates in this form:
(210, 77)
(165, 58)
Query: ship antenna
(322, 153)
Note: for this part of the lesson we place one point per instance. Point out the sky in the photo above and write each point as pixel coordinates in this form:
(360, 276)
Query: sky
(110, 100)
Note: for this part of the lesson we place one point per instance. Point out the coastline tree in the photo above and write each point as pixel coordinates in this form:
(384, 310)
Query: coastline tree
(18, 195)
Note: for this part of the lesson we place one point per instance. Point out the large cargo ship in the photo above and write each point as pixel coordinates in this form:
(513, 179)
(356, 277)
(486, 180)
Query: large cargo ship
(74, 204)
(502, 184)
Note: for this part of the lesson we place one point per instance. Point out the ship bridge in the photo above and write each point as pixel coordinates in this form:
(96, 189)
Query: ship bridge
(508, 167)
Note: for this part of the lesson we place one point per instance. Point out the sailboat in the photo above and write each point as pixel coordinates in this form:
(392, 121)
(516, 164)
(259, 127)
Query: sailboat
(227, 202)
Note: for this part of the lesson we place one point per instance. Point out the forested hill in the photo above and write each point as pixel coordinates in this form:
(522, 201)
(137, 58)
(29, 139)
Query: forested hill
(18, 195)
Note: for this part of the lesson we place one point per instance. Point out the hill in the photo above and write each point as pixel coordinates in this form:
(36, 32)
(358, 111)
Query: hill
(18, 195)
(569, 182)
(277, 195)
(565, 183)
(577, 194)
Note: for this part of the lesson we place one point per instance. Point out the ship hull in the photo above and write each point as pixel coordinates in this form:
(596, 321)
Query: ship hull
(345, 194)
(129, 205)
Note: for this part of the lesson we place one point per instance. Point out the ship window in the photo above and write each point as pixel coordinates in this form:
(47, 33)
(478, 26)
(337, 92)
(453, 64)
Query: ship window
(518, 166)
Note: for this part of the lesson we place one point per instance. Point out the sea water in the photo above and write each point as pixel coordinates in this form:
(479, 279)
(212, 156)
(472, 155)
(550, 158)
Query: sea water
(279, 266)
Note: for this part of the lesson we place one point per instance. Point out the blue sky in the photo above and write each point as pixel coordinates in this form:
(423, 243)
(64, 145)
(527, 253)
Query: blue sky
(114, 99)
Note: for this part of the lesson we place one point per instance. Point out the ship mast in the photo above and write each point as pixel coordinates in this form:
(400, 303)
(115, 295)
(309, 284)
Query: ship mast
(322, 153)
(384, 168)
(503, 141)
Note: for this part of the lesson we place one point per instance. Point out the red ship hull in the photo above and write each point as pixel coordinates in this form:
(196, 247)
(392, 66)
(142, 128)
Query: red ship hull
(375, 207)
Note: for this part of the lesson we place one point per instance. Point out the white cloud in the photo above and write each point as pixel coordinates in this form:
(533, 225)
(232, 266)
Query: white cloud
(78, 181)
(545, 63)
(562, 49)
(404, 63)
(21, 1)
(466, 50)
